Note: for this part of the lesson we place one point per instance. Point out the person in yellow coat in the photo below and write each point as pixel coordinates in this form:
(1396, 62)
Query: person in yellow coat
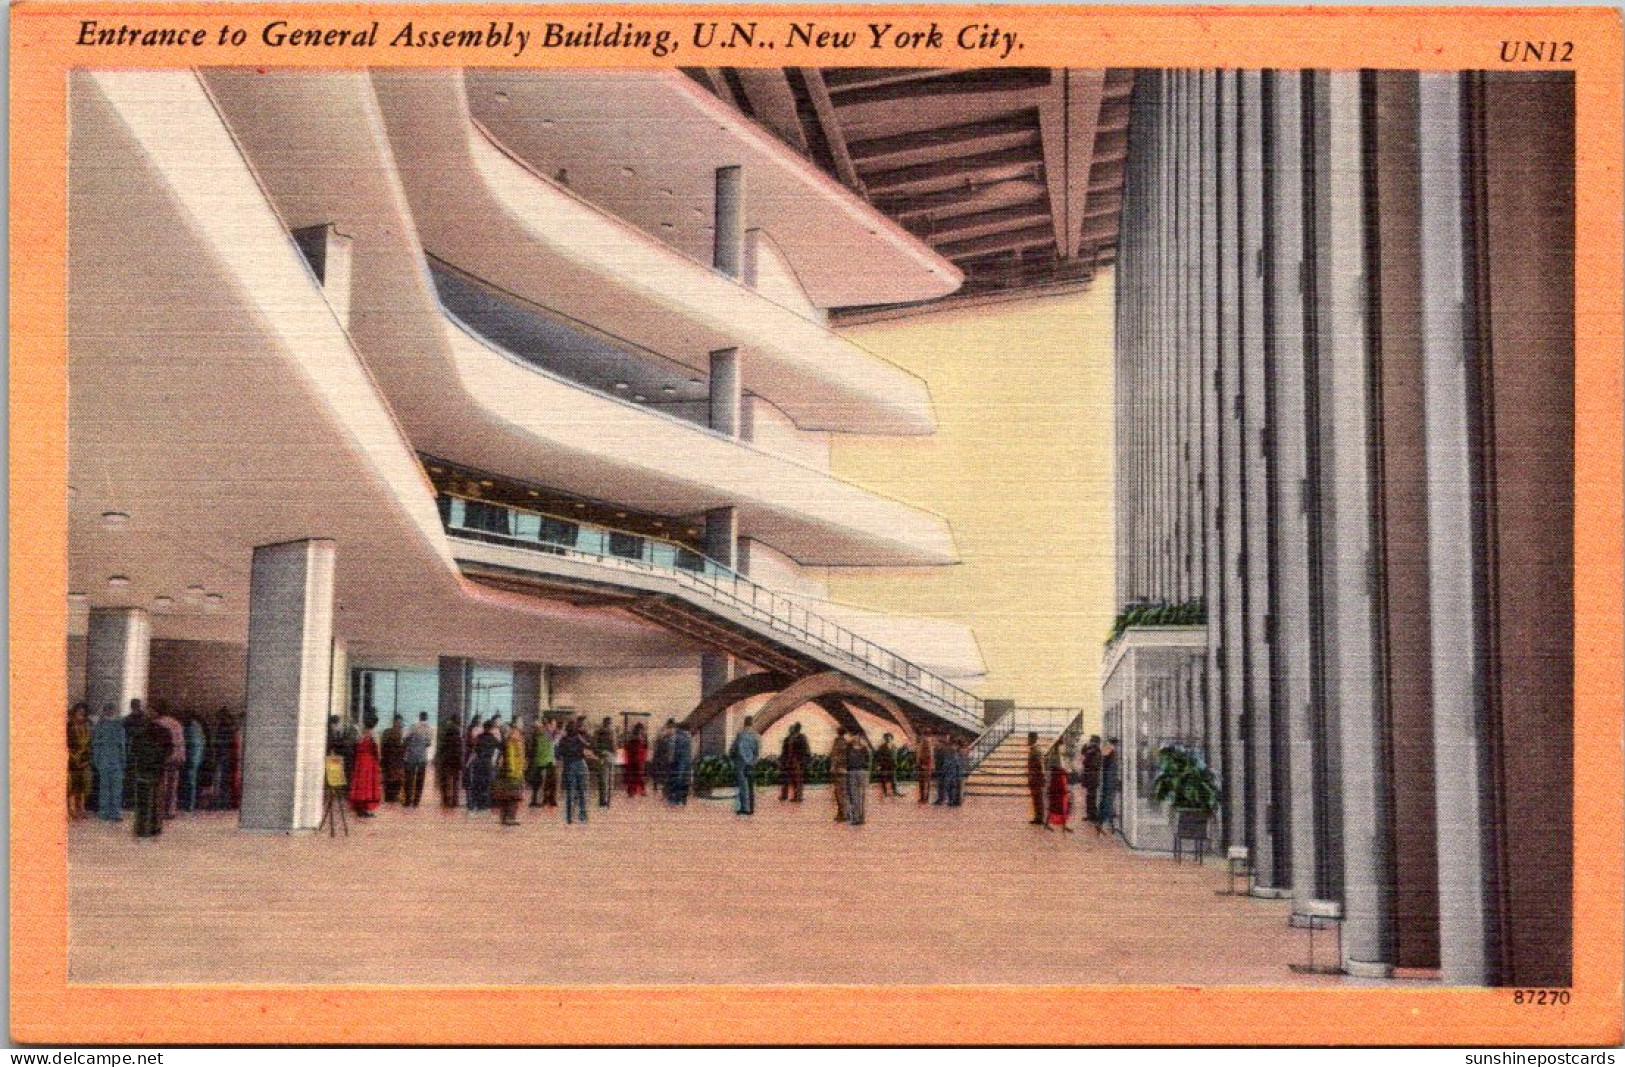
(510, 783)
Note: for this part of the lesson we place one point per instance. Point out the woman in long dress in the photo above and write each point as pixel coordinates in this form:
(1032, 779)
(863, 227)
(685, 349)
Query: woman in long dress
(367, 781)
(510, 784)
(637, 752)
(1060, 797)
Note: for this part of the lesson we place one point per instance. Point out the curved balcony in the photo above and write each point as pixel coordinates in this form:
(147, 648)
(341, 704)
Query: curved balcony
(473, 402)
(478, 207)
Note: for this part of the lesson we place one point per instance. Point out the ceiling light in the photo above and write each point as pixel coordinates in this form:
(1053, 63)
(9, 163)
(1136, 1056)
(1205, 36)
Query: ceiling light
(668, 226)
(118, 581)
(659, 523)
(78, 599)
(502, 96)
(114, 520)
(628, 171)
(162, 603)
(668, 388)
(214, 602)
(622, 385)
(194, 594)
(694, 381)
(639, 397)
(532, 492)
(620, 514)
(580, 507)
(667, 192)
(547, 122)
(72, 492)
(487, 482)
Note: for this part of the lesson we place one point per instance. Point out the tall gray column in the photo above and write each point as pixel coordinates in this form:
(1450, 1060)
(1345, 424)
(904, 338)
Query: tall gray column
(1350, 641)
(528, 691)
(456, 677)
(1270, 876)
(1455, 587)
(726, 391)
(290, 652)
(717, 668)
(1294, 494)
(728, 234)
(1230, 582)
(118, 649)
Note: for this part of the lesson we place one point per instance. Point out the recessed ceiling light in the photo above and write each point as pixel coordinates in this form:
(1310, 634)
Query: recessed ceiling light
(659, 523)
(668, 226)
(580, 507)
(487, 482)
(639, 397)
(697, 211)
(194, 594)
(547, 122)
(114, 520)
(620, 514)
(532, 492)
(668, 388)
(628, 171)
(693, 530)
(72, 492)
(694, 381)
(117, 581)
(436, 470)
(162, 603)
(667, 192)
(77, 599)
(214, 602)
(502, 96)
(622, 385)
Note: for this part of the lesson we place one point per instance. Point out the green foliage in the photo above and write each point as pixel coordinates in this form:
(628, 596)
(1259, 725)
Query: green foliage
(1159, 613)
(713, 771)
(1184, 781)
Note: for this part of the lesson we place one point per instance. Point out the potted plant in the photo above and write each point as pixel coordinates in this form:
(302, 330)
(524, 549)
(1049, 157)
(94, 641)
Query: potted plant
(712, 773)
(1185, 783)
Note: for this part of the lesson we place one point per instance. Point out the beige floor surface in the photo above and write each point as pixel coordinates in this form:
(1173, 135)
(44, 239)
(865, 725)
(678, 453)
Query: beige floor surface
(648, 894)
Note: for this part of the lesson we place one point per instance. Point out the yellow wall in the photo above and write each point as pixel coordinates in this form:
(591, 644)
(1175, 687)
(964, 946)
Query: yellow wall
(1021, 467)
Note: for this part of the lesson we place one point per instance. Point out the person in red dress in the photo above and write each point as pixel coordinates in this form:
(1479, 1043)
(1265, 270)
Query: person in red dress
(1060, 797)
(367, 782)
(637, 753)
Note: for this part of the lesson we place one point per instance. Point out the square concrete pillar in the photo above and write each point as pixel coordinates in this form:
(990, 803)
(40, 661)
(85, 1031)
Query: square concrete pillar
(118, 649)
(456, 678)
(728, 232)
(529, 687)
(290, 662)
(726, 392)
(338, 701)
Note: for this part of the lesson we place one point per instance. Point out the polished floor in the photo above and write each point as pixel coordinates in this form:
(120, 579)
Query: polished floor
(648, 894)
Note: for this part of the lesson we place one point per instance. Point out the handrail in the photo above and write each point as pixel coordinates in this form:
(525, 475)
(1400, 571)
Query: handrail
(775, 611)
(991, 738)
(1066, 737)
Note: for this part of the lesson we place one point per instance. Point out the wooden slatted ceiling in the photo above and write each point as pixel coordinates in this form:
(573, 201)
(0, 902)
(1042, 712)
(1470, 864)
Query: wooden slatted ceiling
(1014, 174)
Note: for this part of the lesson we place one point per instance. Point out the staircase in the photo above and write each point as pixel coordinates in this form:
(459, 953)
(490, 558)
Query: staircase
(1003, 771)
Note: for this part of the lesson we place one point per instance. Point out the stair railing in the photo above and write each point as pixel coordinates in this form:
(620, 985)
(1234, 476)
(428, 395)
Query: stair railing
(773, 611)
(991, 738)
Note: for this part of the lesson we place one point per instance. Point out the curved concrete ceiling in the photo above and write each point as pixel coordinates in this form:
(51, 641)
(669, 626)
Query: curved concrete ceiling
(483, 211)
(646, 145)
(473, 404)
(216, 401)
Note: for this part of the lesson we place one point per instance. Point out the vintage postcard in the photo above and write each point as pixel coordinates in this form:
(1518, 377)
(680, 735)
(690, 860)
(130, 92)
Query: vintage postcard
(815, 525)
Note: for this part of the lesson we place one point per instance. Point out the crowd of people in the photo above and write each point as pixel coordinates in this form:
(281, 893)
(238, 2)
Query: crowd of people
(490, 764)
(1050, 778)
(158, 764)
(155, 763)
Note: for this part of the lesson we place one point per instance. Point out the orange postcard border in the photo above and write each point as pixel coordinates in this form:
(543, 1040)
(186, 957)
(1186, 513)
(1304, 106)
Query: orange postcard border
(46, 1009)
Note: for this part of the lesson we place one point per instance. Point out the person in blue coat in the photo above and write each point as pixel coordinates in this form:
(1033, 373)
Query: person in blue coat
(197, 745)
(743, 753)
(682, 766)
(109, 751)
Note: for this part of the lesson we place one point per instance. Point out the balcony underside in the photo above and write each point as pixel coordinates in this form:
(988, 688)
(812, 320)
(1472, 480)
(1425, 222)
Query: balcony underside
(466, 400)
